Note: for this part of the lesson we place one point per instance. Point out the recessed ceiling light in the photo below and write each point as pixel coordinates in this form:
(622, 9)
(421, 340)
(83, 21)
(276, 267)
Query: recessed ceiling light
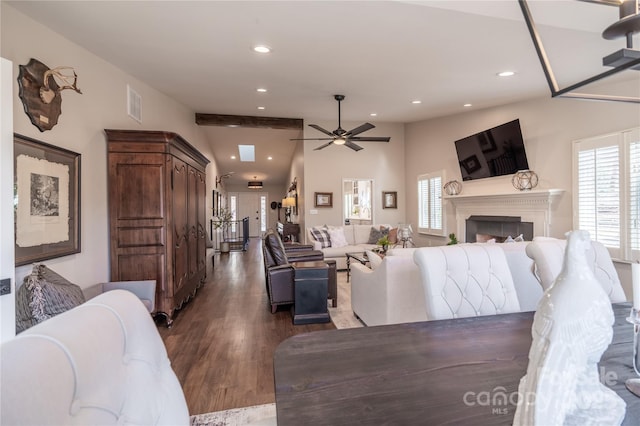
(506, 74)
(233, 157)
(373, 114)
(260, 107)
(261, 49)
(261, 90)
(269, 158)
(416, 102)
(466, 105)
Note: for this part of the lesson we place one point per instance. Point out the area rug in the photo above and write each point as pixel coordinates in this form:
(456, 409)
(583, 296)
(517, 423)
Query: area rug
(256, 415)
(342, 316)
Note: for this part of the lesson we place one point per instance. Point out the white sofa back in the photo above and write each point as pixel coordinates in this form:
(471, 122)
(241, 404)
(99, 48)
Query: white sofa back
(354, 234)
(390, 294)
(466, 280)
(102, 362)
(548, 255)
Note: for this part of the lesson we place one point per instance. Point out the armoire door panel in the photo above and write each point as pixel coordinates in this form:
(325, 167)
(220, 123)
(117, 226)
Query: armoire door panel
(135, 267)
(192, 221)
(148, 236)
(181, 263)
(141, 197)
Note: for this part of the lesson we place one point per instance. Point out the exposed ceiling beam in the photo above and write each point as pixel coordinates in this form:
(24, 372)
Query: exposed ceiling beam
(248, 121)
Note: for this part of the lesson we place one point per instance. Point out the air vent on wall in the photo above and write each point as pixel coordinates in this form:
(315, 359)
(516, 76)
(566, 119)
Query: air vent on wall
(134, 104)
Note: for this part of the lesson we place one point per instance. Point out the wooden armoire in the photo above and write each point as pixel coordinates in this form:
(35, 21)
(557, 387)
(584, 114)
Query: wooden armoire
(157, 193)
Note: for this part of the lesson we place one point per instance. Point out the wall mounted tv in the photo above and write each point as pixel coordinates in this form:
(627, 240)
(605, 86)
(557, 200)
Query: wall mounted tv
(494, 152)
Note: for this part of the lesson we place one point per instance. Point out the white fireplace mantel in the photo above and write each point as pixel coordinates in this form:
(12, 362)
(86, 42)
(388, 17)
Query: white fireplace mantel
(534, 206)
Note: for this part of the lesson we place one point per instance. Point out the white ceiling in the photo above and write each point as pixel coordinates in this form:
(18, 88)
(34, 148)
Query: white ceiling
(380, 54)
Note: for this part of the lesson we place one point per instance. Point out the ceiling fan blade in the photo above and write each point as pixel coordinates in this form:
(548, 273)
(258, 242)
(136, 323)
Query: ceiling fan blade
(371, 138)
(352, 145)
(320, 129)
(323, 146)
(311, 139)
(362, 128)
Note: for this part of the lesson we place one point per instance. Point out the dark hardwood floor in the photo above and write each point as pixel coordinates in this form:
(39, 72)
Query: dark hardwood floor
(222, 342)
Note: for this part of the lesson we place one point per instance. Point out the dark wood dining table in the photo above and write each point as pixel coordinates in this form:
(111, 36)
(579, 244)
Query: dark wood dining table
(455, 372)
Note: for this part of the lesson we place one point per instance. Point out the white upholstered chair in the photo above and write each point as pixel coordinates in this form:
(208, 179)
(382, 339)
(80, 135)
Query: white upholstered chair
(466, 280)
(548, 256)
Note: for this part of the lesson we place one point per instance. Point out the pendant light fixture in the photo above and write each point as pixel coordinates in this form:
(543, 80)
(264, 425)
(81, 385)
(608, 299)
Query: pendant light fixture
(254, 184)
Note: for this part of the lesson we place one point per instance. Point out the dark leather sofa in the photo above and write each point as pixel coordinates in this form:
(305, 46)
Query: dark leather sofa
(279, 272)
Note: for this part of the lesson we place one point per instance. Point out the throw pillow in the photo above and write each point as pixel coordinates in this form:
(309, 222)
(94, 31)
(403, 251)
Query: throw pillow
(393, 235)
(336, 235)
(374, 259)
(44, 294)
(376, 234)
(322, 236)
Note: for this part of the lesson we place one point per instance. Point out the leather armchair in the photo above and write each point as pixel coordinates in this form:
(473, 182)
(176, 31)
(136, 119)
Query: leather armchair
(279, 273)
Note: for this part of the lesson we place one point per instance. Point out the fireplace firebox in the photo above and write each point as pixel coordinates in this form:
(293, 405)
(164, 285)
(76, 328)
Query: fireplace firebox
(499, 227)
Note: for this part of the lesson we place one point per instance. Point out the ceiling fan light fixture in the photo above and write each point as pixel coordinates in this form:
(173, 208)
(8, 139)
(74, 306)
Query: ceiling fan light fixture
(339, 141)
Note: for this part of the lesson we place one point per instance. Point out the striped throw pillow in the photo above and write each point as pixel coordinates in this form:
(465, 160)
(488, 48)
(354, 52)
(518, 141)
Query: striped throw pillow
(321, 235)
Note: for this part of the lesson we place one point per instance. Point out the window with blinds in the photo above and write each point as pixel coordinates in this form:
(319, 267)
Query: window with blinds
(430, 211)
(607, 191)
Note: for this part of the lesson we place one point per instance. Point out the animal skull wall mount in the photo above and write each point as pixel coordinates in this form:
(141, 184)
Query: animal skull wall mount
(40, 89)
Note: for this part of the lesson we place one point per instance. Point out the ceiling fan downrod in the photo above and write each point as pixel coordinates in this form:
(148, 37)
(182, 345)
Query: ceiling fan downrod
(339, 131)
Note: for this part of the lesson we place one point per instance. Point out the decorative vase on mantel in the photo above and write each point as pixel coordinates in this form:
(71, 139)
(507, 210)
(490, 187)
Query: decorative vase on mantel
(524, 180)
(453, 187)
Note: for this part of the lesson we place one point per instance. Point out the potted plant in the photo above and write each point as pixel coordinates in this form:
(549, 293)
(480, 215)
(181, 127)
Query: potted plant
(222, 221)
(384, 242)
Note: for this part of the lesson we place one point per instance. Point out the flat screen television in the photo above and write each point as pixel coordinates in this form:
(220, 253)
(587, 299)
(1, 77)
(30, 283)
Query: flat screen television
(494, 152)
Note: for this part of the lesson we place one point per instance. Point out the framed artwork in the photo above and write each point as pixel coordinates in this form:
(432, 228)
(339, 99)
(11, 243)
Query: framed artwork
(323, 199)
(471, 164)
(389, 199)
(46, 200)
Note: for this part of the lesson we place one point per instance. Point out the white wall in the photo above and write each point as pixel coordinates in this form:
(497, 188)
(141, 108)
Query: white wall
(7, 262)
(325, 169)
(80, 129)
(548, 125)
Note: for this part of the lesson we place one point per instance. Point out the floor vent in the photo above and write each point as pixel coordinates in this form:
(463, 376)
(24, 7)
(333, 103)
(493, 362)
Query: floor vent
(134, 104)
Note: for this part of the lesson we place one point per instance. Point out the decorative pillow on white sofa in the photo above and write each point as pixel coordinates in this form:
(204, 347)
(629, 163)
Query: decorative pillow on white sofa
(374, 259)
(322, 236)
(336, 235)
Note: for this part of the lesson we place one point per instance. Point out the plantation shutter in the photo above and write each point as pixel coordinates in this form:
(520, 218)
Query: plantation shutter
(599, 194)
(430, 212)
(435, 208)
(634, 198)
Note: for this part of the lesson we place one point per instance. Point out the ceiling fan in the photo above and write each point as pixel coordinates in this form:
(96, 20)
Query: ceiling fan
(343, 137)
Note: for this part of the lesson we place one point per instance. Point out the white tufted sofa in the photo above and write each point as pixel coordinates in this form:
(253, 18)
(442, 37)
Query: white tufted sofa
(393, 292)
(466, 280)
(101, 363)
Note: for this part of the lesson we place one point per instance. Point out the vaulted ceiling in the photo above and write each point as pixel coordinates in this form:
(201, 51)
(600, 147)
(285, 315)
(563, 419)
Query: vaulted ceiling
(381, 54)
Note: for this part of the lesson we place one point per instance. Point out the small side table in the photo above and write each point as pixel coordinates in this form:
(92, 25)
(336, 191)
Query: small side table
(310, 292)
(360, 257)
